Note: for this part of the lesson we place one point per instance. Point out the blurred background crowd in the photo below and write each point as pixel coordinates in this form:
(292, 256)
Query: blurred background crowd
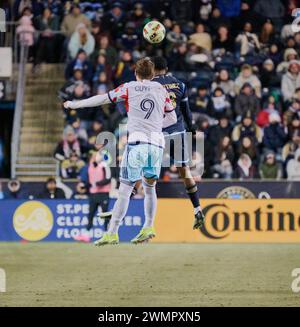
(239, 59)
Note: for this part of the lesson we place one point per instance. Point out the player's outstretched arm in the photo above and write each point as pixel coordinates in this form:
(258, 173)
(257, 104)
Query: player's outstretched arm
(94, 101)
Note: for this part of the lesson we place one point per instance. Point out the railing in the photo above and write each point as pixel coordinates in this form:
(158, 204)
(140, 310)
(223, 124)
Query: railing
(18, 107)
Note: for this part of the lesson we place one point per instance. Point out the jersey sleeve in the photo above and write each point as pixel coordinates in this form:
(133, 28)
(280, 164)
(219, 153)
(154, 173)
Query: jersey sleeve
(119, 94)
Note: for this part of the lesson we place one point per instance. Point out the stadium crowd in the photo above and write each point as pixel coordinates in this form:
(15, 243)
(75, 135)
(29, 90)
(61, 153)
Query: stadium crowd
(239, 59)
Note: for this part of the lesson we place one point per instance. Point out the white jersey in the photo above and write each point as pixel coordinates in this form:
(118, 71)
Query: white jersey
(146, 103)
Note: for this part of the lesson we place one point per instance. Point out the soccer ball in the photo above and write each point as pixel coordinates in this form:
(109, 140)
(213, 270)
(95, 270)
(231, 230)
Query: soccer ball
(154, 32)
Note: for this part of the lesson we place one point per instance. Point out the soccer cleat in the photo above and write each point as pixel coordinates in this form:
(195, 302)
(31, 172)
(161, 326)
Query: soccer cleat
(82, 238)
(105, 215)
(199, 220)
(107, 239)
(144, 235)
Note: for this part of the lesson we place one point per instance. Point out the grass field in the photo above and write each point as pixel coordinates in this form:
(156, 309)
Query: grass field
(57, 274)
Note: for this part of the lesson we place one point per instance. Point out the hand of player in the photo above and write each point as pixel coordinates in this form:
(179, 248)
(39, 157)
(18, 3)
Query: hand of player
(68, 105)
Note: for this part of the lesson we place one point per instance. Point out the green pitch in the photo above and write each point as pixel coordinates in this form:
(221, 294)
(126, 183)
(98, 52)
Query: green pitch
(57, 274)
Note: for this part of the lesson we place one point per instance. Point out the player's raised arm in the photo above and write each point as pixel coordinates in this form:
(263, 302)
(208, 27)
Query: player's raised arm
(117, 95)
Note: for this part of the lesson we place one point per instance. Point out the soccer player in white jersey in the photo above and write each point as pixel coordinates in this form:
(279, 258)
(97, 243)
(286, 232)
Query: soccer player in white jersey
(149, 110)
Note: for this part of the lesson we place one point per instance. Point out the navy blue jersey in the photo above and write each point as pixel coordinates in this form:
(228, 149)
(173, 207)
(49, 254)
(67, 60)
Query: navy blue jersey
(179, 99)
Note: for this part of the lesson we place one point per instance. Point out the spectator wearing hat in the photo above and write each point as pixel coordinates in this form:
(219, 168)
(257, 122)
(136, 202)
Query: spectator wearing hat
(51, 191)
(14, 190)
(129, 39)
(68, 145)
(81, 39)
(82, 63)
(245, 169)
(114, 21)
(246, 101)
(293, 167)
(246, 76)
(70, 167)
(268, 75)
(247, 127)
(73, 19)
(270, 168)
(94, 130)
(274, 135)
(290, 81)
(289, 55)
(138, 16)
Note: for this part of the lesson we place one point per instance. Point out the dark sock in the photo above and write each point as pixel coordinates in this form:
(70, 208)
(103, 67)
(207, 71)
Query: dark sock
(133, 193)
(192, 192)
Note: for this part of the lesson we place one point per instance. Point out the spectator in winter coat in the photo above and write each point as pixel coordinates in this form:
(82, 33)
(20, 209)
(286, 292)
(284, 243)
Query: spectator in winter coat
(81, 62)
(201, 38)
(293, 167)
(223, 80)
(72, 20)
(289, 55)
(70, 167)
(219, 104)
(51, 191)
(246, 101)
(244, 169)
(268, 76)
(293, 110)
(81, 39)
(270, 168)
(247, 127)
(290, 81)
(274, 135)
(219, 131)
(68, 145)
(262, 118)
(247, 41)
(26, 31)
(246, 76)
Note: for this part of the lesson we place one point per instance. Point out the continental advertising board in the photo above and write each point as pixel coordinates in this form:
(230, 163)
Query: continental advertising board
(230, 221)
(227, 221)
